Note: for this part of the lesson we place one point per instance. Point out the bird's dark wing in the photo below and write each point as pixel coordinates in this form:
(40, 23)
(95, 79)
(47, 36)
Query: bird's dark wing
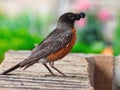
(51, 44)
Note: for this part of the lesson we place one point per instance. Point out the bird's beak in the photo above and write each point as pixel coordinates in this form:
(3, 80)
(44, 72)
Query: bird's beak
(80, 15)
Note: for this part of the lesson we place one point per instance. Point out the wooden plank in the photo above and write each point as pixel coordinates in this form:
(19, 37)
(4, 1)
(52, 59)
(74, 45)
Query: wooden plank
(101, 71)
(73, 65)
(116, 80)
(91, 69)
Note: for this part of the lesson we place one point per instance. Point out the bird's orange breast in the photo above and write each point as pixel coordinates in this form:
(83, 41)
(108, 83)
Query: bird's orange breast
(65, 50)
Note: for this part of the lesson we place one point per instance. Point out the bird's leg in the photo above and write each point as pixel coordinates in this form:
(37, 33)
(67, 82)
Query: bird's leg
(52, 65)
(48, 69)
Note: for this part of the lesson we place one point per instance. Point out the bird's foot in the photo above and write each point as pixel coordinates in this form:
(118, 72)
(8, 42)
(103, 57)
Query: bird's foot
(63, 75)
(51, 75)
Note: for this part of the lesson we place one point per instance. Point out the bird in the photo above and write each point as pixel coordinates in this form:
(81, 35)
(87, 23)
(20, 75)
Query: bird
(55, 46)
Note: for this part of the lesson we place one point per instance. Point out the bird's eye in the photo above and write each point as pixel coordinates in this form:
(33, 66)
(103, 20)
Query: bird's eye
(71, 16)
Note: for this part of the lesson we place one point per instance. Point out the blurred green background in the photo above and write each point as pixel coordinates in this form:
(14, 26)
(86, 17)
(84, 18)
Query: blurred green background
(25, 23)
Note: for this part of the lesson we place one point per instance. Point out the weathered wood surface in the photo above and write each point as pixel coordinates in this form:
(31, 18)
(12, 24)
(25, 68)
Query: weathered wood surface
(101, 71)
(33, 78)
(116, 78)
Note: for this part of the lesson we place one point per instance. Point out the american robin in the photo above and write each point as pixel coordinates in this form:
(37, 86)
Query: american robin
(55, 46)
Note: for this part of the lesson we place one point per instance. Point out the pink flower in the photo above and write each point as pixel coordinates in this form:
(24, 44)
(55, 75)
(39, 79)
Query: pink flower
(82, 5)
(82, 22)
(104, 15)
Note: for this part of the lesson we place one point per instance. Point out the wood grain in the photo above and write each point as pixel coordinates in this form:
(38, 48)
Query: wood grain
(33, 78)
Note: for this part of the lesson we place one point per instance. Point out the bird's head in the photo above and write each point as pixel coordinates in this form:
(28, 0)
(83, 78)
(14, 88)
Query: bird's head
(70, 18)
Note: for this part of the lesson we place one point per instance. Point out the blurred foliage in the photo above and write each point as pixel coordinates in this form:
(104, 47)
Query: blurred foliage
(1, 57)
(116, 38)
(19, 33)
(90, 37)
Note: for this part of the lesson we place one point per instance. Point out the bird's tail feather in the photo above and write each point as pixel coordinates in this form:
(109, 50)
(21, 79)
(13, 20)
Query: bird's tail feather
(11, 69)
(25, 63)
